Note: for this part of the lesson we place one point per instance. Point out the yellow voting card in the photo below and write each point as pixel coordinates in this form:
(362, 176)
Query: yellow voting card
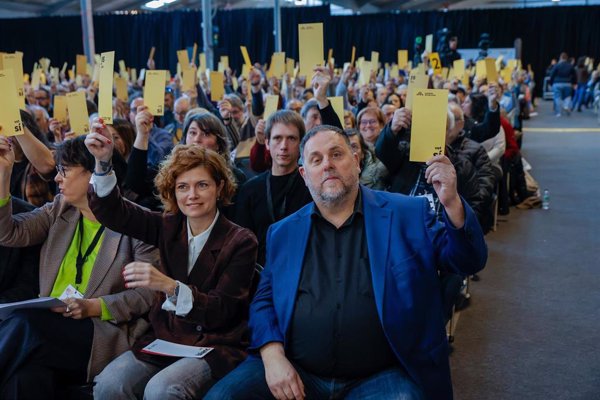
(60, 109)
(225, 62)
(189, 79)
(490, 70)
(78, 114)
(194, 53)
(366, 67)
(246, 56)
(183, 58)
(402, 59)
(289, 66)
(435, 63)
(353, 56)
(277, 68)
(151, 55)
(337, 103)
(499, 62)
(458, 67)
(428, 129)
(480, 70)
(45, 63)
(35, 78)
(105, 90)
(14, 62)
(243, 148)
(54, 75)
(81, 64)
(10, 116)
(512, 64)
(429, 43)
(133, 74)
(121, 89)
(416, 80)
(202, 63)
(217, 86)
(310, 45)
(445, 72)
(271, 104)
(154, 91)
(375, 59)
(506, 75)
(245, 71)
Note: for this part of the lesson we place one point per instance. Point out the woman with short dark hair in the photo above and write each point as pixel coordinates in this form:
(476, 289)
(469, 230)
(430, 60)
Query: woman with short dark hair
(81, 262)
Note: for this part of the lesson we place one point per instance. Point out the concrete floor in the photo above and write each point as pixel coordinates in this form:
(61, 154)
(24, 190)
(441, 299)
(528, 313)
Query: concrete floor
(532, 330)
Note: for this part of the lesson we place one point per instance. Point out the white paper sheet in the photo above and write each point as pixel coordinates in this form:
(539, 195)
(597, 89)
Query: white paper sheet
(42, 302)
(164, 348)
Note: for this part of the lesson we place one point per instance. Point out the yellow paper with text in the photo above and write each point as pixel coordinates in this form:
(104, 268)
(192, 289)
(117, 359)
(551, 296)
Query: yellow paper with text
(337, 103)
(81, 64)
(310, 45)
(60, 109)
(490, 70)
(277, 64)
(78, 114)
(217, 86)
(271, 104)
(105, 90)
(402, 59)
(428, 129)
(435, 63)
(10, 116)
(429, 43)
(154, 91)
(14, 62)
(416, 80)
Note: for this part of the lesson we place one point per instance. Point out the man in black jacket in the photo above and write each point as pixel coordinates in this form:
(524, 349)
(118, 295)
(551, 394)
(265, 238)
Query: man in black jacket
(19, 266)
(562, 79)
(280, 191)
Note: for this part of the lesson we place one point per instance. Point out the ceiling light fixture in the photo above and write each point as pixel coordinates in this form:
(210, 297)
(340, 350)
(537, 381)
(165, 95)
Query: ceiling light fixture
(154, 4)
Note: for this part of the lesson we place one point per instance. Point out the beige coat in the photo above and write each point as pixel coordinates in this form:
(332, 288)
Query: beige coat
(54, 225)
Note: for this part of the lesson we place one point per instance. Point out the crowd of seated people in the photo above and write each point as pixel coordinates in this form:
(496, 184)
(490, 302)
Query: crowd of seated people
(161, 226)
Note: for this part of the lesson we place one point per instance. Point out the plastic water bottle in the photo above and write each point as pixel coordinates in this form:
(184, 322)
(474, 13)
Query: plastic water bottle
(546, 200)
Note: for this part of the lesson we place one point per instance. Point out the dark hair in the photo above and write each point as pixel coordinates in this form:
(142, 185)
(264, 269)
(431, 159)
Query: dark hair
(92, 108)
(312, 103)
(286, 117)
(361, 140)
(322, 128)
(388, 98)
(29, 122)
(581, 62)
(126, 131)
(74, 152)
(478, 106)
(210, 124)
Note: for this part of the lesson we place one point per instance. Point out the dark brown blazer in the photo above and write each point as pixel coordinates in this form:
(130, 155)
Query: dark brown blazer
(220, 279)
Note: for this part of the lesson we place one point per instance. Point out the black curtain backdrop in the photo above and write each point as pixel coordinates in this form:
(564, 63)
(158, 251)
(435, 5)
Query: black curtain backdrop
(545, 33)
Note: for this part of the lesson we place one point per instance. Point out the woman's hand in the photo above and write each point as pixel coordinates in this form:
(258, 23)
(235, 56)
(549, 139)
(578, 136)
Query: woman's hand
(7, 155)
(100, 145)
(80, 308)
(141, 274)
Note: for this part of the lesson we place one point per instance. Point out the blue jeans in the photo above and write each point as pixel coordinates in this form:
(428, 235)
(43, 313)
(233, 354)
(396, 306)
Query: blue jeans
(579, 98)
(248, 382)
(562, 96)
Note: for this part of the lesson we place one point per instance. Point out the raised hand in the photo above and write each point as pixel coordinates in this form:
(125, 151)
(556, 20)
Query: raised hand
(441, 174)
(99, 143)
(401, 120)
(7, 155)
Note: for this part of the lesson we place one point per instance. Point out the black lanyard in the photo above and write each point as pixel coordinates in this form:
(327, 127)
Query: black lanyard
(276, 215)
(81, 259)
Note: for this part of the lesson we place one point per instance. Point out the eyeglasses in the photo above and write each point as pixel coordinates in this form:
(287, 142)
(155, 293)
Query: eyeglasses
(369, 122)
(62, 170)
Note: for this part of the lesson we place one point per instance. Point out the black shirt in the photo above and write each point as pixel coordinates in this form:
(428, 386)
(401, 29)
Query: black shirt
(256, 210)
(335, 330)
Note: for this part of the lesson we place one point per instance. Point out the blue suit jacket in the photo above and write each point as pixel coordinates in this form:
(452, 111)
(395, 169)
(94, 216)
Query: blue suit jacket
(406, 247)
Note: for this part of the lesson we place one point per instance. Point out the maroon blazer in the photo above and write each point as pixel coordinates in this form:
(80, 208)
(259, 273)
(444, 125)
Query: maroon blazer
(220, 279)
